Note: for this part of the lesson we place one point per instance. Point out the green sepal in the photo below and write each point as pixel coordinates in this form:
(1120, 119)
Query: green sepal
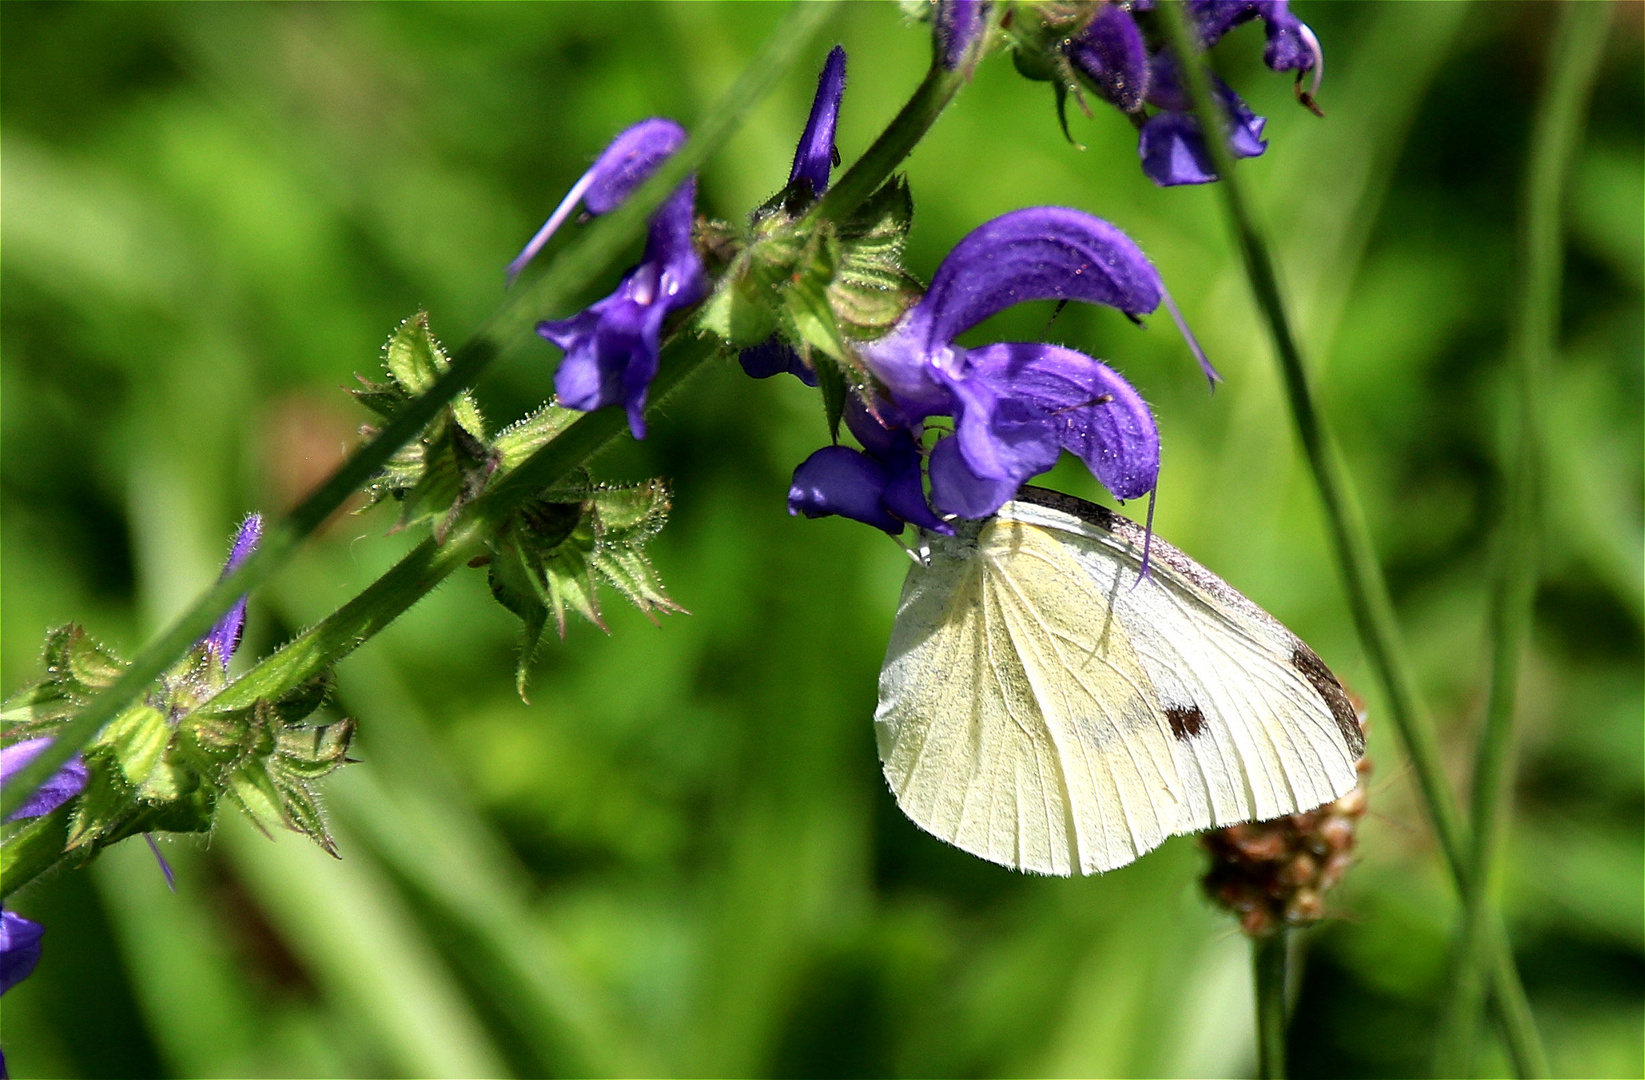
(556, 550)
(871, 290)
(446, 467)
(520, 440)
(77, 669)
(136, 741)
(739, 312)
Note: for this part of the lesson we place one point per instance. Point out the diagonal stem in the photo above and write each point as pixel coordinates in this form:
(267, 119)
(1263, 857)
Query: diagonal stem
(1573, 63)
(1367, 589)
(578, 265)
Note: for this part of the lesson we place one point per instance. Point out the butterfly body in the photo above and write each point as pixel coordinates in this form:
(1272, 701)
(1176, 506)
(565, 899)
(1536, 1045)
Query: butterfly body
(1046, 707)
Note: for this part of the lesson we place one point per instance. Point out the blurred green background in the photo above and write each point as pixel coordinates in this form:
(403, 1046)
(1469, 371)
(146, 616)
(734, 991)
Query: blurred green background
(680, 858)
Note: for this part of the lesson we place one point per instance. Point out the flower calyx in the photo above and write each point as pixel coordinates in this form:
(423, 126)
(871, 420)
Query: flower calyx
(446, 467)
(552, 556)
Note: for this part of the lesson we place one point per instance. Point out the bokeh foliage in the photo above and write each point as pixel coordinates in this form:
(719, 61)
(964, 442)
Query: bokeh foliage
(680, 858)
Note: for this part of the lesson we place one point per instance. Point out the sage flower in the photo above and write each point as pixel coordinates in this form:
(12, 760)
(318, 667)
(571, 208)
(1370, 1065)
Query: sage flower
(1111, 57)
(61, 786)
(1014, 406)
(611, 347)
(19, 948)
(814, 160)
(224, 637)
(1017, 405)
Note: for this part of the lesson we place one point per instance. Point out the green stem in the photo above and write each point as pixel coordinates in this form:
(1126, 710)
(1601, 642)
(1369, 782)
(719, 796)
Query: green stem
(1573, 64)
(1367, 590)
(35, 847)
(1269, 961)
(429, 563)
(598, 249)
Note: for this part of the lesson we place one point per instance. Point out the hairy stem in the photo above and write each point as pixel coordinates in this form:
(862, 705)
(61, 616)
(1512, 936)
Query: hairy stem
(429, 563)
(1270, 960)
(1573, 64)
(597, 250)
(1368, 598)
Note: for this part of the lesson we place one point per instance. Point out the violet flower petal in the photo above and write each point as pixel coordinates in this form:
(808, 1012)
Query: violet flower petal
(224, 637)
(1110, 51)
(19, 948)
(626, 163)
(60, 786)
(1289, 47)
(814, 157)
(773, 356)
(956, 489)
(958, 24)
(1092, 411)
(843, 481)
(612, 346)
(1037, 253)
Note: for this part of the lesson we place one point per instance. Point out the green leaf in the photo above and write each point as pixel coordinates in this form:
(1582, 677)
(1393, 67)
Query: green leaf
(631, 573)
(739, 312)
(631, 513)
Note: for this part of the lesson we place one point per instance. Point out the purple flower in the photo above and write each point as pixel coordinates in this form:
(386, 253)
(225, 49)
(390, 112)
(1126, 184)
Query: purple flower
(1171, 145)
(19, 948)
(611, 347)
(960, 26)
(1291, 45)
(814, 163)
(1110, 53)
(1015, 406)
(59, 788)
(815, 156)
(224, 638)
(879, 486)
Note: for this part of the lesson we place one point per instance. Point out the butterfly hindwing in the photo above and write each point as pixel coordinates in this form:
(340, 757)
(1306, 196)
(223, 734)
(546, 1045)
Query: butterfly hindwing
(1045, 707)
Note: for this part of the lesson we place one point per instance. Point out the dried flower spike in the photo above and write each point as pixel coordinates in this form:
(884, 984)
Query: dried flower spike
(1275, 874)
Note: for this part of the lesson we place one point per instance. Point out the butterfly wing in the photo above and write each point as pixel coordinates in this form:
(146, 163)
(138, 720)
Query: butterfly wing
(1260, 726)
(1015, 720)
(1045, 707)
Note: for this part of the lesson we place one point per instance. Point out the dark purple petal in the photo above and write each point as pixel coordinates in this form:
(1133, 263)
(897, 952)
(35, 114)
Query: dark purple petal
(224, 638)
(1291, 45)
(612, 346)
(1111, 53)
(19, 948)
(955, 489)
(814, 158)
(59, 788)
(959, 24)
(773, 357)
(624, 165)
(1094, 413)
(840, 480)
(1173, 150)
(1038, 253)
(1001, 430)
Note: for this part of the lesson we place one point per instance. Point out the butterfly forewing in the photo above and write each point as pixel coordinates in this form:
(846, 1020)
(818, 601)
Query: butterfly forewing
(1045, 707)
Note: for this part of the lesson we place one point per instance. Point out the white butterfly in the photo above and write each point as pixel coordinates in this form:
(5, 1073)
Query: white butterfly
(1044, 707)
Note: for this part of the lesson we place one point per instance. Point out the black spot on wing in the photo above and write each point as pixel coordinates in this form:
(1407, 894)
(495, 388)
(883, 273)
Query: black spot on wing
(1312, 668)
(1185, 722)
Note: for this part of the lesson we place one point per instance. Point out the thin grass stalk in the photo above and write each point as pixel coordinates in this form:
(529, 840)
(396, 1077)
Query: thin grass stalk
(1270, 962)
(596, 251)
(1368, 598)
(1573, 65)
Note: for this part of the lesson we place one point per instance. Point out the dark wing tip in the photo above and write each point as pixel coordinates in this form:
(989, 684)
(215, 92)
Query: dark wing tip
(1312, 668)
